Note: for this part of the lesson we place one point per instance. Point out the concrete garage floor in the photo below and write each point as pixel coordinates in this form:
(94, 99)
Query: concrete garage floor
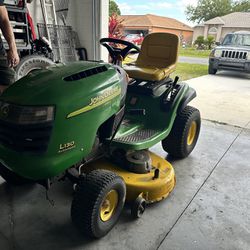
(208, 209)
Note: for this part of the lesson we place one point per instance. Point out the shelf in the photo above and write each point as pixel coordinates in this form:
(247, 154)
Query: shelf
(13, 23)
(19, 10)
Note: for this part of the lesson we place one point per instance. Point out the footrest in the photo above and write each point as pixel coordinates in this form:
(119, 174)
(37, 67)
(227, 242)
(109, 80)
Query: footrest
(138, 136)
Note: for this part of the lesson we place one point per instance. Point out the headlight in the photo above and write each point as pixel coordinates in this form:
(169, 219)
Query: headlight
(248, 56)
(217, 53)
(26, 114)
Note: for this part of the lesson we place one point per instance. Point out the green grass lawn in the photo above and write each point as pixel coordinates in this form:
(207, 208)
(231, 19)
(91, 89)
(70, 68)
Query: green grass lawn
(192, 52)
(188, 71)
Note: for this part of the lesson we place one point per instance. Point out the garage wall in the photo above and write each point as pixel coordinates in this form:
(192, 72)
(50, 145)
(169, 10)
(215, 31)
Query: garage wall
(89, 18)
(36, 12)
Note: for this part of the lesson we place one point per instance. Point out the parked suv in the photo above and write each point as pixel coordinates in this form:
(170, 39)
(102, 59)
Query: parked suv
(232, 54)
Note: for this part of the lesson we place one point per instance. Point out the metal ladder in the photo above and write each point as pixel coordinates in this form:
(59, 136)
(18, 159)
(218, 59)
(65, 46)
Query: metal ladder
(49, 16)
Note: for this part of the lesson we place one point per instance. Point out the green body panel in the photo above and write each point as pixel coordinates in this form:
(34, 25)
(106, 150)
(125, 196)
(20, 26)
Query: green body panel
(48, 88)
(156, 118)
(81, 107)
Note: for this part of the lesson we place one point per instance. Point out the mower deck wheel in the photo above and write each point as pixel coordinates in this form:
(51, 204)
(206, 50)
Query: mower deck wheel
(98, 202)
(184, 134)
(11, 177)
(138, 207)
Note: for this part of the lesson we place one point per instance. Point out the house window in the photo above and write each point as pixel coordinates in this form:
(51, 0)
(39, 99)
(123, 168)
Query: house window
(213, 31)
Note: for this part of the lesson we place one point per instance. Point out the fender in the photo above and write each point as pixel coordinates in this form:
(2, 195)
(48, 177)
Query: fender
(189, 96)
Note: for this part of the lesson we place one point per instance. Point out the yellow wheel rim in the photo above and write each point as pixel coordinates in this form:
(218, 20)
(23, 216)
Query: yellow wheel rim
(191, 133)
(109, 205)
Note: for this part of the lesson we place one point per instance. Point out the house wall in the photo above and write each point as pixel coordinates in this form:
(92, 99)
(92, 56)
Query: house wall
(184, 35)
(198, 31)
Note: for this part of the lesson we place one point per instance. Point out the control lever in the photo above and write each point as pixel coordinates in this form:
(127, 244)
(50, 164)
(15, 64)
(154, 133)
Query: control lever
(172, 89)
(176, 79)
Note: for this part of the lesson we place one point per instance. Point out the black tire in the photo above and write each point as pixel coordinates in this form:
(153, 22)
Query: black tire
(89, 199)
(138, 207)
(211, 70)
(30, 63)
(11, 177)
(178, 143)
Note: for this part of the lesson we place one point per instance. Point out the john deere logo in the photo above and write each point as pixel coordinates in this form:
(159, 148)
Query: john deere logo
(5, 110)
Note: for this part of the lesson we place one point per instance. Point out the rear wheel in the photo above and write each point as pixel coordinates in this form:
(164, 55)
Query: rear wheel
(11, 177)
(98, 202)
(31, 63)
(184, 134)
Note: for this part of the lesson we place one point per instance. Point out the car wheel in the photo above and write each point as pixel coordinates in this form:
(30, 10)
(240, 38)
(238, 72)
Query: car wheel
(211, 70)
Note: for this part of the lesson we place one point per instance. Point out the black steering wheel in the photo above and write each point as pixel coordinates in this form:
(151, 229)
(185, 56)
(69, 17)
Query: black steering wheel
(118, 54)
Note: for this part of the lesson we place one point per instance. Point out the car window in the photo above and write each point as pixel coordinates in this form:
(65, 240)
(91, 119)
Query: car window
(237, 40)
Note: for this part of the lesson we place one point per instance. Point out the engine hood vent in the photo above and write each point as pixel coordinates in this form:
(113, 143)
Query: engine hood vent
(85, 74)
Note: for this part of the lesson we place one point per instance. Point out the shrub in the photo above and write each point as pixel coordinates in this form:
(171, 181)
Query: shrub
(200, 42)
(115, 27)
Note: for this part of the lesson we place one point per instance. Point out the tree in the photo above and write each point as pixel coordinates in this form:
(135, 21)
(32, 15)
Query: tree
(241, 6)
(113, 8)
(208, 9)
(209, 41)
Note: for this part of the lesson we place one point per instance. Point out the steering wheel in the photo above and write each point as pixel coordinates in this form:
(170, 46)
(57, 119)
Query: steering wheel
(118, 54)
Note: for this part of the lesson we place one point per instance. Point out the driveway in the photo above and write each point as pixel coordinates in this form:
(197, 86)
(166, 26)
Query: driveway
(208, 209)
(224, 97)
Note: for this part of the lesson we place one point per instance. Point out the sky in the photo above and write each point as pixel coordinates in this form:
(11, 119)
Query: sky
(174, 9)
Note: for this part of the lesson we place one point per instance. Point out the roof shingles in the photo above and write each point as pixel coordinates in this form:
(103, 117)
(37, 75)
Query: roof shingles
(235, 20)
(150, 20)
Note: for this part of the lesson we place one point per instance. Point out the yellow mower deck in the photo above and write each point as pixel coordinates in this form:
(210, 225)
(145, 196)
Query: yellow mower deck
(149, 187)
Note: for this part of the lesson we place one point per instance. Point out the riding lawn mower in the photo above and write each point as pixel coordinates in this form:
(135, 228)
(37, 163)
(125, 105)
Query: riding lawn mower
(94, 122)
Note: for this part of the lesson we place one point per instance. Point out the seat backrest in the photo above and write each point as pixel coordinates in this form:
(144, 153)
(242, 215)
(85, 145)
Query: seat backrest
(159, 50)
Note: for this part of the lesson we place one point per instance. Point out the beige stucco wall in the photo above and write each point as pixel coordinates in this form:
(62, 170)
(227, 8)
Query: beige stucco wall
(198, 31)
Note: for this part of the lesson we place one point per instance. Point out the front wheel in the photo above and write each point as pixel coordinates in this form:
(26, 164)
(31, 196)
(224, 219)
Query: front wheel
(11, 177)
(98, 202)
(184, 134)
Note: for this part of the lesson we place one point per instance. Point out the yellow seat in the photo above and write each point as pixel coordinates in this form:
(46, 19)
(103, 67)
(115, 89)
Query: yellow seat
(157, 58)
